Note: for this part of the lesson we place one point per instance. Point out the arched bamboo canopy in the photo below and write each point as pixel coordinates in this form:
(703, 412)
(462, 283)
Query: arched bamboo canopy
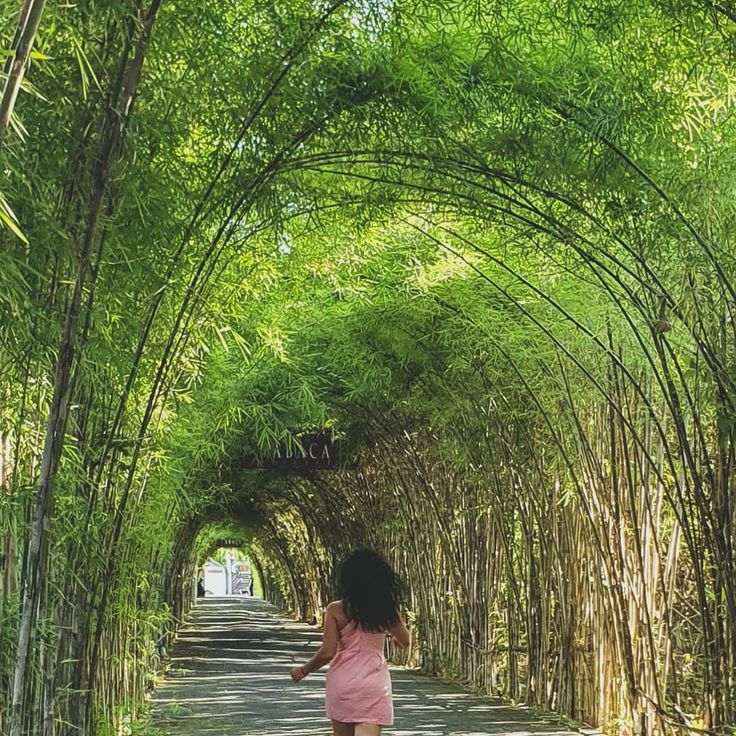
(487, 246)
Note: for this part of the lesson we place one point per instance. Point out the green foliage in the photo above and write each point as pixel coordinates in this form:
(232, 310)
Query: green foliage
(488, 244)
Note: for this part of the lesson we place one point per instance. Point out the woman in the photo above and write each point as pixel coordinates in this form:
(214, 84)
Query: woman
(358, 689)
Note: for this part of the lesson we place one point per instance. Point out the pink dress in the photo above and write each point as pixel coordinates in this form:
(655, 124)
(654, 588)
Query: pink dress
(358, 688)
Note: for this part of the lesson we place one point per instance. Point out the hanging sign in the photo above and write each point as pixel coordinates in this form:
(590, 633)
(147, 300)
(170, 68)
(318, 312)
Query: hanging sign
(311, 451)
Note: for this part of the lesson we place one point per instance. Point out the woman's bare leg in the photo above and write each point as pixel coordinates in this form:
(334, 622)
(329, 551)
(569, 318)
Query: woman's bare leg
(367, 729)
(343, 729)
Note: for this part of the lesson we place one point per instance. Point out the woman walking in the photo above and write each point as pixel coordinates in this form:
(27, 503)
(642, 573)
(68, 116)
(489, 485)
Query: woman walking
(358, 688)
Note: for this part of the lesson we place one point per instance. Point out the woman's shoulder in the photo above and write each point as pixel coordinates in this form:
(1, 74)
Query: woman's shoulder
(337, 609)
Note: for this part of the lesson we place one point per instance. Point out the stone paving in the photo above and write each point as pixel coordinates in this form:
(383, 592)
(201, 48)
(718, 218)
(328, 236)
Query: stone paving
(229, 676)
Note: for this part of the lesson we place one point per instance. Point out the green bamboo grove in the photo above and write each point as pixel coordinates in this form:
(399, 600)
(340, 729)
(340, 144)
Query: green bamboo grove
(488, 244)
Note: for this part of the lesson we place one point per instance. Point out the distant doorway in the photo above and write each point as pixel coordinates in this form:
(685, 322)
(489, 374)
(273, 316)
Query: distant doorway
(215, 578)
(227, 573)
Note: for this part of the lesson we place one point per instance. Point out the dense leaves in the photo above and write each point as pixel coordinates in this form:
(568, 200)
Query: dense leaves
(489, 245)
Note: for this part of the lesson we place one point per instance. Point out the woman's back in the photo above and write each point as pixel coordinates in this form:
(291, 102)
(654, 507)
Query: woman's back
(358, 682)
(354, 638)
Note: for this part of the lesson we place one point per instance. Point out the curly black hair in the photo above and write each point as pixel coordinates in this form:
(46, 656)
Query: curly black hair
(372, 593)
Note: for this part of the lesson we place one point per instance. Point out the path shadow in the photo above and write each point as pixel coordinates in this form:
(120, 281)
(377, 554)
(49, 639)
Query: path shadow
(229, 676)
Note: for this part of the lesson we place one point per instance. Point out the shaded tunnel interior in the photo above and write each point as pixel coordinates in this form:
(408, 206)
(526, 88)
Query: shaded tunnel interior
(488, 247)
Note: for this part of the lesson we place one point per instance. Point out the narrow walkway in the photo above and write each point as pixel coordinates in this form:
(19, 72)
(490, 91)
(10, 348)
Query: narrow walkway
(230, 677)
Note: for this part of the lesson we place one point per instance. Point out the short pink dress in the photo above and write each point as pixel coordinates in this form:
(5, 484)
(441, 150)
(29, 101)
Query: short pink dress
(358, 688)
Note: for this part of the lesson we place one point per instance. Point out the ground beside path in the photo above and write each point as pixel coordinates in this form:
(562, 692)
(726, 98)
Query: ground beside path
(229, 676)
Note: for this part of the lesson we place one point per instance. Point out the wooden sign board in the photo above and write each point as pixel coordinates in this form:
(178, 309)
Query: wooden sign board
(312, 451)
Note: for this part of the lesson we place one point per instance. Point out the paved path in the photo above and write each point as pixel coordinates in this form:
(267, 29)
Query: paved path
(229, 676)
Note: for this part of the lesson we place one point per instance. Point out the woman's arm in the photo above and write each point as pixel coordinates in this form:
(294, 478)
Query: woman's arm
(326, 651)
(400, 635)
